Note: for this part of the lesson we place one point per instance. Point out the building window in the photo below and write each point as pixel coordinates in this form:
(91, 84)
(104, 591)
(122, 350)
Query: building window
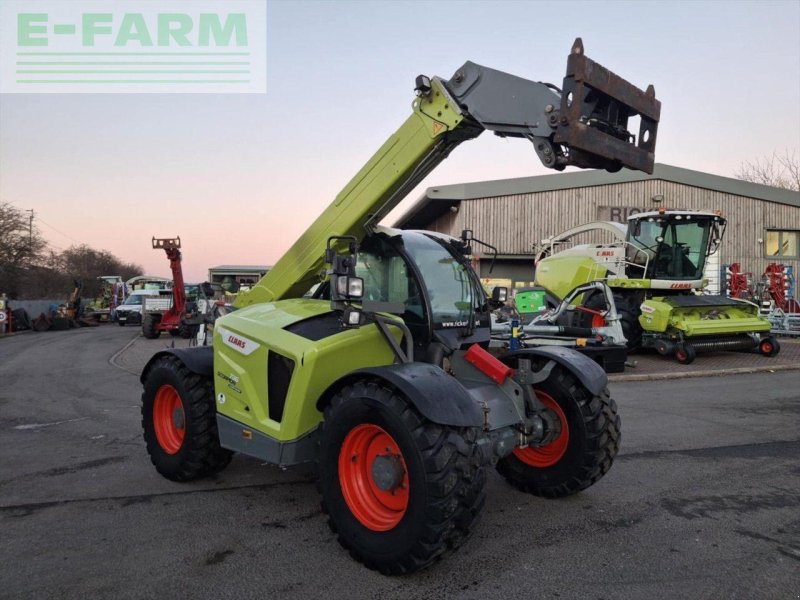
(783, 244)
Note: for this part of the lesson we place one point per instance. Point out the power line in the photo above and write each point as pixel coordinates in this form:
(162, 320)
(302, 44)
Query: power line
(58, 231)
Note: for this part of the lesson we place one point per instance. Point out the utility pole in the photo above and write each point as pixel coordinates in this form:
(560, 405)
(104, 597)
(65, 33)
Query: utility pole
(30, 231)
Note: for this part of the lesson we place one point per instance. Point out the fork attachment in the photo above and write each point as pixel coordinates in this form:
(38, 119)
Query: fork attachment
(166, 243)
(593, 122)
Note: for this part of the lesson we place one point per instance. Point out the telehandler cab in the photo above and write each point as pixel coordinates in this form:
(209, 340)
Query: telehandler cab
(382, 377)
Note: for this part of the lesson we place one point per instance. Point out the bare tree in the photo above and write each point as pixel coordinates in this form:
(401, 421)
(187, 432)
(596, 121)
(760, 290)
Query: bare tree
(778, 170)
(21, 247)
(29, 269)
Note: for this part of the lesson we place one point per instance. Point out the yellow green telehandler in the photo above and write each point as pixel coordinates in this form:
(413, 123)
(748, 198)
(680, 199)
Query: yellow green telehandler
(383, 378)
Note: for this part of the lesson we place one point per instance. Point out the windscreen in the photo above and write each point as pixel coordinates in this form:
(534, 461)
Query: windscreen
(677, 246)
(448, 283)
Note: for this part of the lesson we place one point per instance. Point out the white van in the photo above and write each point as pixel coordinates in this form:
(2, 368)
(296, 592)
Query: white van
(130, 311)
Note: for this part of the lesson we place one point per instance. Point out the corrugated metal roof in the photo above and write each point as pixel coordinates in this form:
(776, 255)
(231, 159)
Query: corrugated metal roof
(438, 199)
(245, 268)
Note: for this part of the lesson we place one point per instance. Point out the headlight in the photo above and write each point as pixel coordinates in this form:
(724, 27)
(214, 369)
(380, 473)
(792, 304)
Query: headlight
(350, 287)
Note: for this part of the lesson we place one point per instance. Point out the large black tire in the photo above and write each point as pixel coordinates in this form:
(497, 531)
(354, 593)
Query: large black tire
(188, 331)
(149, 327)
(596, 302)
(593, 428)
(441, 465)
(198, 453)
(629, 312)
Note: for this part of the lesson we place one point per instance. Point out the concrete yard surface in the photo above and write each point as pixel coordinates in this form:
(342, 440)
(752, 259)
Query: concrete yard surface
(703, 500)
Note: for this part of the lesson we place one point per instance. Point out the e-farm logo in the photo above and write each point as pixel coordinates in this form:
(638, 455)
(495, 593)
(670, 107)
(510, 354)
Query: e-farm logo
(133, 46)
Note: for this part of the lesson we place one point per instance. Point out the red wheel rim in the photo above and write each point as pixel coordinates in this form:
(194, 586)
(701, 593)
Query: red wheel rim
(547, 456)
(681, 355)
(766, 347)
(169, 420)
(375, 508)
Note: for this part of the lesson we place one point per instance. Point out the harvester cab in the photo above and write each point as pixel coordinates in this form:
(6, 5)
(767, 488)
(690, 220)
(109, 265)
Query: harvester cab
(670, 248)
(656, 269)
(384, 377)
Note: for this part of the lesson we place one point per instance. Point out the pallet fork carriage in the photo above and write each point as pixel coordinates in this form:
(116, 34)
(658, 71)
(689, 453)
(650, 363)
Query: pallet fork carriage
(383, 377)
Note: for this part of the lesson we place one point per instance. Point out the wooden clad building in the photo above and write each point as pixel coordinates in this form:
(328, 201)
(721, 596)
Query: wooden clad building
(515, 215)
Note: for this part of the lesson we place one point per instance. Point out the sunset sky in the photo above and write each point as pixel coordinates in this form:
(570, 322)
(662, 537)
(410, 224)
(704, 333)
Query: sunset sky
(239, 177)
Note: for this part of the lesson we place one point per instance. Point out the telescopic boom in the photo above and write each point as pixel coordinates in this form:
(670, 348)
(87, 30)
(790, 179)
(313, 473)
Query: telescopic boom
(583, 124)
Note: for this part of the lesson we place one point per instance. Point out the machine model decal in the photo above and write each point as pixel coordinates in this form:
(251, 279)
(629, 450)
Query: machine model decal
(648, 309)
(232, 381)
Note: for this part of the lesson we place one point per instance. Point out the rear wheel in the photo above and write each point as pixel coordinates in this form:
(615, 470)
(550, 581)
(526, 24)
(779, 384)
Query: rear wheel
(581, 454)
(179, 422)
(769, 346)
(149, 330)
(399, 490)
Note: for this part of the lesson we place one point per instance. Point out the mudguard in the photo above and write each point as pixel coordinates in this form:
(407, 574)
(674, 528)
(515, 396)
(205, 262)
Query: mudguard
(435, 394)
(198, 359)
(588, 372)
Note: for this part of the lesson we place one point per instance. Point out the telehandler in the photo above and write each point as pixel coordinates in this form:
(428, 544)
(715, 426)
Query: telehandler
(382, 378)
(655, 266)
(169, 313)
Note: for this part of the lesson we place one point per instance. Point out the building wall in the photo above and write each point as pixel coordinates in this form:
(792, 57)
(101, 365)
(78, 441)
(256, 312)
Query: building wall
(515, 223)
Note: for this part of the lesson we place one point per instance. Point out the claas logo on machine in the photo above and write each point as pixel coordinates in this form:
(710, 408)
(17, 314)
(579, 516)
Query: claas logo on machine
(681, 286)
(236, 341)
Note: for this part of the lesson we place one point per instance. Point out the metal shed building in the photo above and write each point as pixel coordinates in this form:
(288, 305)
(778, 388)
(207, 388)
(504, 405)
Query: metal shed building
(516, 214)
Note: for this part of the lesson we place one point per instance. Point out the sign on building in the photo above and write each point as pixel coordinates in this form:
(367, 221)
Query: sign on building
(618, 214)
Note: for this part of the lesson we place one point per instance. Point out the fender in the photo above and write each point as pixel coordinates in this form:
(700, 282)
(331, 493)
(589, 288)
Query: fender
(198, 359)
(439, 397)
(588, 372)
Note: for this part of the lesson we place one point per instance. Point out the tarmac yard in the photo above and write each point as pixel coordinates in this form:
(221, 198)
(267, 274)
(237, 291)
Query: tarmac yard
(702, 502)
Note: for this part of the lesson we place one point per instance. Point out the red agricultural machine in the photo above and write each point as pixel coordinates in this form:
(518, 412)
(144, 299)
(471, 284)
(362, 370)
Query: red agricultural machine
(168, 313)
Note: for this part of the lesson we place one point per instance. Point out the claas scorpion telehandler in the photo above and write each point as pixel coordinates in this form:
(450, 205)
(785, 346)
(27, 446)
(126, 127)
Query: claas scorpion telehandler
(382, 378)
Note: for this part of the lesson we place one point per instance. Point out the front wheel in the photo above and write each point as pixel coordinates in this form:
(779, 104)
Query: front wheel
(179, 422)
(399, 490)
(583, 451)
